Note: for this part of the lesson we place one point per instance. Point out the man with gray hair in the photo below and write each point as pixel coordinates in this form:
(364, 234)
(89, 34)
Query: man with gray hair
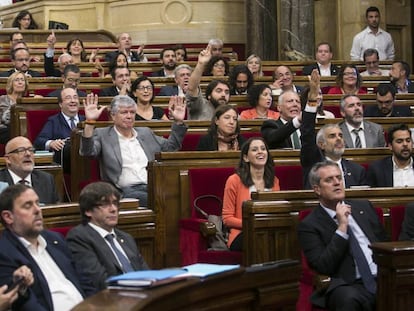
(182, 75)
(328, 144)
(216, 47)
(123, 150)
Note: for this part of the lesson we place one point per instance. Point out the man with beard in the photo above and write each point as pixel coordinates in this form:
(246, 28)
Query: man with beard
(328, 144)
(240, 80)
(395, 170)
(181, 76)
(357, 132)
(385, 106)
(399, 74)
(373, 37)
(217, 91)
(168, 61)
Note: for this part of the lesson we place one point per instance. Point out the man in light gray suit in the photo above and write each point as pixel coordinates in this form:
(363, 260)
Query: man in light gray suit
(91, 249)
(357, 132)
(124, 150)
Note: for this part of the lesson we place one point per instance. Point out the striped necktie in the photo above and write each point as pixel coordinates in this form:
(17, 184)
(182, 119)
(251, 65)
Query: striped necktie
(357, 143)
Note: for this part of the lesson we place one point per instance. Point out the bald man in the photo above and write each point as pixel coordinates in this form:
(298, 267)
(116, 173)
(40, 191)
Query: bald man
(20, 169)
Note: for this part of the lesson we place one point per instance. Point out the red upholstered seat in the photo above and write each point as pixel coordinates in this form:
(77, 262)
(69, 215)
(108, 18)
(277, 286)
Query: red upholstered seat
(193, 245)
(62, 230)
(397, 217)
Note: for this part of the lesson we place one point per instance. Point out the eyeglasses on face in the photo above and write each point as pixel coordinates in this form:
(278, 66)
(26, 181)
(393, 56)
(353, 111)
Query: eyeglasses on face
(23, 150)
(145, 88)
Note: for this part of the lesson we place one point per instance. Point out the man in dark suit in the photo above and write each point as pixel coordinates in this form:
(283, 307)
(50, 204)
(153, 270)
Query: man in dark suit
(407, 228)
(168, 61)
(328, 144)
(400, 77)
(55, 134)
(182, 75)
(19, 156)
(282, 81)
(385, 106)
(99, 206)
(21, 61)
(71, 77)
(279, 133)
(357, 132)
(122, 83)
(335, 239)
(48, 63)
(58, 284)
(323, 63)
(395, 170)
(124, 43)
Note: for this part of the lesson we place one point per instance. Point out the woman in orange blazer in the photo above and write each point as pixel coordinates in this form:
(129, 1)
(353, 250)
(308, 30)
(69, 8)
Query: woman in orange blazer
(255, 173)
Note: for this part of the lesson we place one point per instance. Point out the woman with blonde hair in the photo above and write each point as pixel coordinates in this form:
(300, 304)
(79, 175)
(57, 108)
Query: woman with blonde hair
(16, 87)
(254, 63)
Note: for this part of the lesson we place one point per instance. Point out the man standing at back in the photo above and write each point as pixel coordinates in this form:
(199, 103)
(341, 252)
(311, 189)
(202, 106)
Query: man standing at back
(58, 284)
(97, 245)
(373, 37)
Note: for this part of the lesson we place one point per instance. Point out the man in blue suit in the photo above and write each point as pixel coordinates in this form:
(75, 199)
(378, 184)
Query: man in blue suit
(58, 284)
(55, 134)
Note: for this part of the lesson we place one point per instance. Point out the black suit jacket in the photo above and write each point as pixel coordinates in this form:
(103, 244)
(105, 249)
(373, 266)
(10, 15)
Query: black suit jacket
(276, 134)
(98, 262)
(30, 72)
(159, 73)
(307, 70)
(13, 254)
(43, 184)
(109, 91)
(49, 67)
(168, 90)
(327, 252)
(111, 55)
(407, 228)
(380, 173)
(206, 143)
(397, 111)
(310, 154)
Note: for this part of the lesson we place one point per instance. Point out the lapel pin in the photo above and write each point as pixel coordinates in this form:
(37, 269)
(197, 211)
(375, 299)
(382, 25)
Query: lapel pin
(55, 242)
(361, 212)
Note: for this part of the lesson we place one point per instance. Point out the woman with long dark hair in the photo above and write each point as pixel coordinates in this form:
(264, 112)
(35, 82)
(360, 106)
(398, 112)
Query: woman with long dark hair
(224, 131)
(24, 20)
(255, 173)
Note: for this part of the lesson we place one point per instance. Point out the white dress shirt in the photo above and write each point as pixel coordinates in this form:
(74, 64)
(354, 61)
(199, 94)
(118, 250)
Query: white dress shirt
(366, 39)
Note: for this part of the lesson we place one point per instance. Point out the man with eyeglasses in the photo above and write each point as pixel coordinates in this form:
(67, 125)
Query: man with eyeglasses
(168, 61)
(55, 134)
(19, 156)
(283, 81)
(121, 80)
(97, 245)
(58, 283)
(21, 61)
(71, 78)
(385, 106)
(371, 60)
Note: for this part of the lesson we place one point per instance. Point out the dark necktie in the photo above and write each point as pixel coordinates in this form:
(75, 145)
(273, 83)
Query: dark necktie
(23, 182)
(357, 143)
(296, 141)
(126, 265)
(362, 263)
(72, 123)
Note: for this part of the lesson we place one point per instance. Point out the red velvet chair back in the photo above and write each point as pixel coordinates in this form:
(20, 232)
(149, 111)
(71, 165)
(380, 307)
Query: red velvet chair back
(36, 119)
(290, 177)
(397, 217)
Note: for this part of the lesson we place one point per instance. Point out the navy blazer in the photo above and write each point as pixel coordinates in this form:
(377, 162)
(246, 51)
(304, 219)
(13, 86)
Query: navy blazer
(397, 111)
(14, 254)
(56, 93)
(43, 184)
(307, 70)
(168, 90)
(159, 73)
(310, 154)
(327, 252)
(95, 256)
(277, 134)
(49, 67)
(11, 71)
(56, 127)
(109, 91)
